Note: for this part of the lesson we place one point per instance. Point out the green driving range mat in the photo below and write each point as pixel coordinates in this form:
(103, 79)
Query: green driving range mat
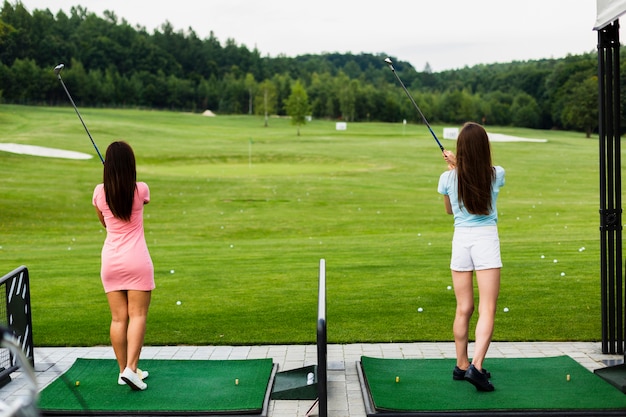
(426, 385)
(174, 386)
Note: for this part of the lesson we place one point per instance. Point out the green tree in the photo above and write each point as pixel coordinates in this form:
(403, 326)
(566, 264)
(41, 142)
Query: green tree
(265, 100)
(180, 93)
(581, 108)
(18, 33)
(28, 80)
(208, 93)
(495, 107)
(251, 85)
(456, 106)
(368, 100)
(347, 99)
(322, 95)
(234, 95)
(525, 111)
(565, 75)
(297, 105)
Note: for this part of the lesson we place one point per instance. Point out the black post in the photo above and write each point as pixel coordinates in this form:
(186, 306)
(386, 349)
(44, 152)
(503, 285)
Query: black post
(611, 277)
(322, 340)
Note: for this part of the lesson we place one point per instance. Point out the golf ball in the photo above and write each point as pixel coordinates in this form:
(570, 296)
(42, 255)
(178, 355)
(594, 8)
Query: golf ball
(449, 287)
(178, 303)
(171, 271)
(506, 309)
(77, 383)
(419, 310)
(562, 274)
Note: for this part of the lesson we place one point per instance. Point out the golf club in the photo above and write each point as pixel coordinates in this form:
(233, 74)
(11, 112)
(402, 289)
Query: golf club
(57, 71)
(390, 63)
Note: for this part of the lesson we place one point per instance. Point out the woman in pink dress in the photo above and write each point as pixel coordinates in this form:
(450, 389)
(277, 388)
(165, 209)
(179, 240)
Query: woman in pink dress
(127, 272)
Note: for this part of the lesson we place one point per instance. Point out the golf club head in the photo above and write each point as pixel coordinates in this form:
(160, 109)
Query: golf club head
(58, 69)
(389, 62)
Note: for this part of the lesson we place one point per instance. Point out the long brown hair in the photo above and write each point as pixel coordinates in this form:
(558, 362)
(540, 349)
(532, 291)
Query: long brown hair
(475, 172)
(120, 179)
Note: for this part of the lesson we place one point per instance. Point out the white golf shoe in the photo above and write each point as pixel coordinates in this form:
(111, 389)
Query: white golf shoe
(133, 380)
(142, 374)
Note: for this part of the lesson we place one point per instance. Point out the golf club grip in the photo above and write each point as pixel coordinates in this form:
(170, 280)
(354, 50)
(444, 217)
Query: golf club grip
(436, 140)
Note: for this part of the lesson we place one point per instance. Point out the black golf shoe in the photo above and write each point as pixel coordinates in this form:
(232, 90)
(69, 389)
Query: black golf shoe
(479, 379)
(459, 374)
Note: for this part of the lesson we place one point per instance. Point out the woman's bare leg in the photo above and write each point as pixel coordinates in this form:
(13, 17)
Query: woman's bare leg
(464, 292)
(138, 304)
(118, 303)
(488, 290)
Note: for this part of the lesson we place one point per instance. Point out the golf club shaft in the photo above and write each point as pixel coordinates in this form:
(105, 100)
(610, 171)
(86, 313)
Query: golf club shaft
(81, 119)
(388, 61)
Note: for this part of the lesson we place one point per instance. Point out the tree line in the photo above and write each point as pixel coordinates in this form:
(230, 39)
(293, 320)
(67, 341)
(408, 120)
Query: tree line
(110, 63)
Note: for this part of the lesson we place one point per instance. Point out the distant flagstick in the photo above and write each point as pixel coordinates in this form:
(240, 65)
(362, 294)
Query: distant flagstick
(250, 153)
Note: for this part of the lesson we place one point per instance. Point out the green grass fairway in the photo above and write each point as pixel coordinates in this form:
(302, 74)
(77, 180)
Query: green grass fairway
(241, 214)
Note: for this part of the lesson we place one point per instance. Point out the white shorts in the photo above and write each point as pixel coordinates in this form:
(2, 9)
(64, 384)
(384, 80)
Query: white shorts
(475, 249)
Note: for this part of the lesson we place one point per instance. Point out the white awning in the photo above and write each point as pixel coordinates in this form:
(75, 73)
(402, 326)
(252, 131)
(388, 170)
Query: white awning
(608, 11)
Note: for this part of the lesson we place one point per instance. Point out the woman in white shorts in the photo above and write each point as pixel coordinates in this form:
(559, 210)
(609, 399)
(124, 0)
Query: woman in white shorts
(470, 188)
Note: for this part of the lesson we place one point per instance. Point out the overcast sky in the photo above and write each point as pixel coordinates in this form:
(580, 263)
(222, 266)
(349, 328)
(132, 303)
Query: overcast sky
(446, 34)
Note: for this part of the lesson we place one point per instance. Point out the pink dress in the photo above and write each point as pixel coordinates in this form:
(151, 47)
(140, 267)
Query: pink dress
(126, 262)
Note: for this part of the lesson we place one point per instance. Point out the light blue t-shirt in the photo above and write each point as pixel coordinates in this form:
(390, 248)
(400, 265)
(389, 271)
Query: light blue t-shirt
(462, 218)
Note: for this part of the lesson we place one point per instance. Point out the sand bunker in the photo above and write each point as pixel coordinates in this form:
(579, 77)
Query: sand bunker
(453, 132)
(42, 151)
(498, 137)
